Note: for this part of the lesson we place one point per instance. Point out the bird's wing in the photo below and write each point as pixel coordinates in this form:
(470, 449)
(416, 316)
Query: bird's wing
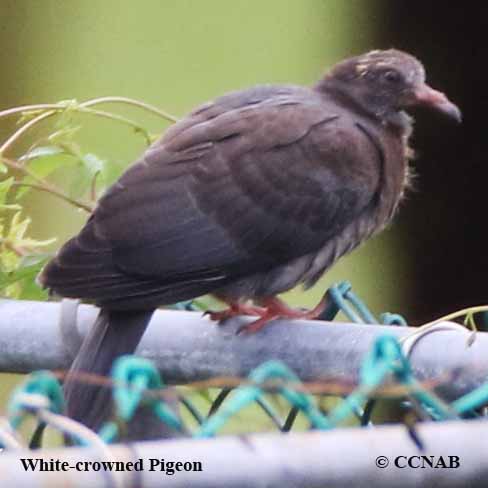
(241, 185)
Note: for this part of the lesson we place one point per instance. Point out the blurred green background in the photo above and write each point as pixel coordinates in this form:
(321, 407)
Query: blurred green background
(176, 54)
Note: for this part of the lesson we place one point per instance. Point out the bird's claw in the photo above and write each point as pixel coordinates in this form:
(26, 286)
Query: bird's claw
(276, 309)
(272, 309)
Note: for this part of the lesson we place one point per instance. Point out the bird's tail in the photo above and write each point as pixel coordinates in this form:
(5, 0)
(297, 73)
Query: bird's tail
(113, 334)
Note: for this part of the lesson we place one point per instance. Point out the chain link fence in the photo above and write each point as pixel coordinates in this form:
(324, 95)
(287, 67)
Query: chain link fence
(437, 375)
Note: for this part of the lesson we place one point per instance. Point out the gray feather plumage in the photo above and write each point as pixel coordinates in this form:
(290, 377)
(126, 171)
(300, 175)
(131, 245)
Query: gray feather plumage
(253, 193)
(246, 197)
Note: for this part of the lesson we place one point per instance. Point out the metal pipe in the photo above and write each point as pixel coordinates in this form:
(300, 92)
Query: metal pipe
(186, 346)
(339, 458)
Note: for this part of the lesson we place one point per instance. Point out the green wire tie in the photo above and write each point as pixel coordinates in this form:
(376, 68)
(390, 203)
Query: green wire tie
(133, 377)
(41, 383)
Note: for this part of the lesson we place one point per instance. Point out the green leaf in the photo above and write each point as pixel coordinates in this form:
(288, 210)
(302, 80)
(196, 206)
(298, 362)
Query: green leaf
(5, 186)
(41, 151)
(65, 118)
(43, 161)
(32, 291)
(33, 259)
(17, 230)
(89, 167)
(93, 163)
(23, 272)
(64, 135)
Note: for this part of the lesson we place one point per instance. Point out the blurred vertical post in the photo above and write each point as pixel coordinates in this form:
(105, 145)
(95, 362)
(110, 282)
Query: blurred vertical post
(444, 222)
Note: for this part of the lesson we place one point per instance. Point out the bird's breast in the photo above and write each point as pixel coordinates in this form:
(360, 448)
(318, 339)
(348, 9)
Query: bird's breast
(392, 166)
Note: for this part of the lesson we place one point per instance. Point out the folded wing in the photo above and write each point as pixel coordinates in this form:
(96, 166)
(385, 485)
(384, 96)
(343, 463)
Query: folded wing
(244, 184)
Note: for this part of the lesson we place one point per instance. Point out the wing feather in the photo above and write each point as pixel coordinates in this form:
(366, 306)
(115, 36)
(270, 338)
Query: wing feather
(242, 185)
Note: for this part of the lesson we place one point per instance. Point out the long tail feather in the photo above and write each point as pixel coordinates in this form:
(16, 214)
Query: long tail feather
(113, 334)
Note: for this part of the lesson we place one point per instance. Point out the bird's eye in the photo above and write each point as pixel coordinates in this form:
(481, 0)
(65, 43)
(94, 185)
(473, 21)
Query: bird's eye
(392, 76)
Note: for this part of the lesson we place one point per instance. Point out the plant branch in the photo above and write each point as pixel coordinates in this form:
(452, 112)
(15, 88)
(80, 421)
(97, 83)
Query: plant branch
(53, 109)
(31, 108)
(117, 118)
(43, 185)
(6, 145)
(58, 193)
(130, 101)
(458, 314)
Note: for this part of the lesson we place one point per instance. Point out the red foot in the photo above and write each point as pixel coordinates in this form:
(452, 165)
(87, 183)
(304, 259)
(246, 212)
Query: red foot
(276, 309)
(258, 324)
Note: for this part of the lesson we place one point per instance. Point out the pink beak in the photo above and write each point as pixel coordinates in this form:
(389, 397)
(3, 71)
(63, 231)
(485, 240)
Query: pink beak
(425, 95)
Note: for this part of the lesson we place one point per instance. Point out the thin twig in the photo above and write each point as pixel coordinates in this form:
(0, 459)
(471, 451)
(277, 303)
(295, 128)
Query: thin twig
(331, 388)
(58, 193)
(82, 107)
(31, 108)
(118, 118)
(6, 145)
(130, 101)
(469, 322)
(93, 187)
(458, 314)
(43, 185)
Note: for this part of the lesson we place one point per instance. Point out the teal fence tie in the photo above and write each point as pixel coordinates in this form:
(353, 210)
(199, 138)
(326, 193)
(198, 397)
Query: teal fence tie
(133, 377)
(384, 357)
(303, 401)
(389, 350)
(189, 305)
(338, 293)
(392, 319)
(357, 311)
(366, 316)
(378, 363)
(186, 305)
(334, 293)
(471, 400)
(244, 396)
(38, 383)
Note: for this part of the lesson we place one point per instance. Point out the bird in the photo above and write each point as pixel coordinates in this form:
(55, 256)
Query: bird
(244, 198)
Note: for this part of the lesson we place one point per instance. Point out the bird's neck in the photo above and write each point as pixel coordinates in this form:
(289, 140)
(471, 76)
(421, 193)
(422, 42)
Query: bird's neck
(397, 120)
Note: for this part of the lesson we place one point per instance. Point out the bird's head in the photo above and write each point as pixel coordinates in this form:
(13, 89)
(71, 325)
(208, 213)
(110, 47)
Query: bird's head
(384, 84)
